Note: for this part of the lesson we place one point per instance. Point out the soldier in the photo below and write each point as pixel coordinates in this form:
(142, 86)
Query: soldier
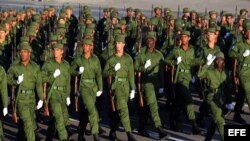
(25, 75)
(241, 52)
(4, 46)
(4, 98)
(244, 12)
(218, 93)
(120, 67)
(150, 63)
(88, 67)
(186, 19)
(56, 74)
(185, 60)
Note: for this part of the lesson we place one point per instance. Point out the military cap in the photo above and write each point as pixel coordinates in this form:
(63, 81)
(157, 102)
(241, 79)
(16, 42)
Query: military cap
(85, 7)
(60, 31)
(193, 11)
(117, 31)
(25, 46)
(53, 37)
(241, 17)
(185, 32)
(154, 21)
(247, 26)
(24, 39)
(113, 15)
(59, 25)
(185, 10)
(105, 10)
(156, 8)
(58, 45)
(149, 22)
(205, 18)
(88, 32)
(219, 55)
(89, 16)
(178, 28)
(137, 10)
(122, 22)
(211, 30)
(7, 20)
(117, 26)
(212, 22)
(120, 38)
(31, 32)
(178, 22)
(212, 12)
(69, 7)
(37, 17)
(151, 34)
(88, 41)
(218, 28)
(167, 10)
(243, 10)
(229, 15)
(171, 17)
(129, 9)
(91, 26)
(62, 16)
(223, 13)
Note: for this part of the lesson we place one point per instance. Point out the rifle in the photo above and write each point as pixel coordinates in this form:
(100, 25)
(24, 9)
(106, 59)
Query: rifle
(178, 14)
(111, 94)
(235, 62)
(152, 9)
(76, 94)
(14, 115)
(99, 13)
(46, 108)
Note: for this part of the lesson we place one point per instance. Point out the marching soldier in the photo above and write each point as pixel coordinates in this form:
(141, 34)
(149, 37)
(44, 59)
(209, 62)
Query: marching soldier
(120, 67)
(218, 93)
(150, 63)
(25, 75)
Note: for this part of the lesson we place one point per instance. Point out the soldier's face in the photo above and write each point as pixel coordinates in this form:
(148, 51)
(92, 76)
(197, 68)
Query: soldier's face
(2, 34)
(219, 62)
(248, 34)
(129, 13)
(210, 36)
(120, 46)
(58, 52)
(185, 39)
(87, 48)
(150, 43)
(25, 55)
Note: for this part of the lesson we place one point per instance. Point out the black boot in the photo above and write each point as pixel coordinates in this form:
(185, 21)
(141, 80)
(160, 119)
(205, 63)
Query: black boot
(162, 133)
(239, 119)
(96, 137)
(69, 131)
(195, 129)
(112, 135)
(130, 136)
(142, 131)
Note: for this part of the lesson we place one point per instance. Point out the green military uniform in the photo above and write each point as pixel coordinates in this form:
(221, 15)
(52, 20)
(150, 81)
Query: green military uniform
(25, 97)
(59, 91)
(218, 94)
(183, 98)
(4, 96)
(152, 79)
(122, 82)
(90, 82)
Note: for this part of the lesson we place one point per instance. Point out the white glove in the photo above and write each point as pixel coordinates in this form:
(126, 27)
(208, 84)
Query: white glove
(56, 73)
(226, 35)
(193, 79)
(117, 66)
(178, 60)
(161, 90)
(209, 62)
(230, 107)
(68, 101)
(99, 93)
(147, 64)
(81, 70)
(39, 104)
(246, 53)
(20, 79)
(5, 111)
(132, 94)
(209, 57)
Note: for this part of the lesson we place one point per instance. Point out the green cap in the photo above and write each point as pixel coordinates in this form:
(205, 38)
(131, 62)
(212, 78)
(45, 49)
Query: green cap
(25, 46)
(53, 37)
(105, 10)
(167, 10)
(113, 15)
(37, 17)
(62, 16)
(88, 32)
(171, 17)
(91, 26)
(88, 41)
(220, 55)
(58, 45)
(122, 22)
(154, 21)
(2, 27)
(69, 7)
(117, 31)
(60, 31)
(24, 39)
(205, 18)
(137, 10)
(218, 28)
(151, 34)
(59, 25)
(185, 10)
(185, 32)
(212, 12)
(31, 32)
(243, 10)
(241, 17)
(129, 9)
(229, 15)
(156, 8)
(120, 38)
(247, 26)
(211, 30)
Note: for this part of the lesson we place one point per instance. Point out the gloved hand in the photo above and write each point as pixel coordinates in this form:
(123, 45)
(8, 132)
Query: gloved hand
(39, 104)
(56, 73)
(117, 66)
(178, 60)
(209, 57)
(161, 90)
(132, 94)
(5, 111)
(20, 79)
(99, 93)
(68, 101)
(230, 107)
(147, 64)
(81, 70)
(246, 53)
(209, 62)
(193, 79)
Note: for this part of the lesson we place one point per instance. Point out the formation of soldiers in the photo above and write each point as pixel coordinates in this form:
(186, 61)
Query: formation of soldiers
(54, 60)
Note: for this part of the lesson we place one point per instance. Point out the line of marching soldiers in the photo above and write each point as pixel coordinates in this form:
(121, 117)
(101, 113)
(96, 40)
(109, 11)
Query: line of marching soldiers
(52, 58)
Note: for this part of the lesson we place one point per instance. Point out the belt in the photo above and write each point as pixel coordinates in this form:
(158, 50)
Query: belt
(60, 88)
(122, 79)
(88, 80)
(26, 91)
(185, 71)
(246, 65)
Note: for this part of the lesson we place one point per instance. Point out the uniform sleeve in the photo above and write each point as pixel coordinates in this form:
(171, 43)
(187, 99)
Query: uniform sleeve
(68, 79)
(169, 59)
(139, 67)
(39, 87)
(108, 69)
(4, 91)
(99, 75)
(131, 75)
(11, 76)
(202, 72)
(234, 51)
(73, 68)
